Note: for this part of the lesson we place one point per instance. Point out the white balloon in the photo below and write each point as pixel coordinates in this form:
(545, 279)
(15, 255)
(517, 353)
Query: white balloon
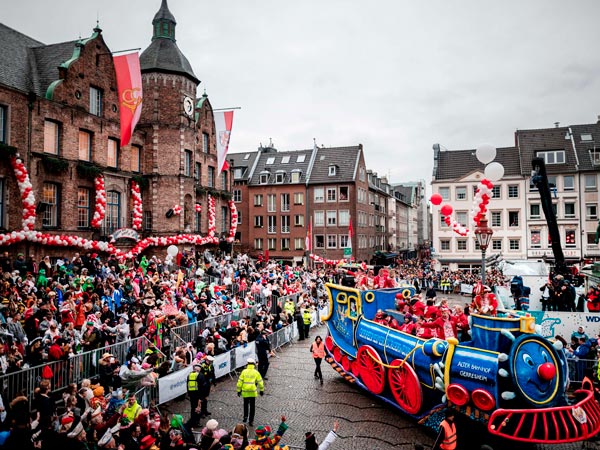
(172, 250)
(494, 171)
(485, 153)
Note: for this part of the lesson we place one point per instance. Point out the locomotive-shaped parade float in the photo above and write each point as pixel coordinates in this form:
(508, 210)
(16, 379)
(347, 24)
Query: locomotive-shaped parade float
(507, 376)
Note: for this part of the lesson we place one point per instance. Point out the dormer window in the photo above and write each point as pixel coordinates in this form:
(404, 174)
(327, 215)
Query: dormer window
(296, 174)
(280, 176)
(264, 177)
(552, 156)
(332, 170)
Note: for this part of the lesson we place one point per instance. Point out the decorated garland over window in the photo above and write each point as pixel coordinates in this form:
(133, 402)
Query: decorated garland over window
(234, 221)
(100, 208)
(26, 190)
(136, 196)
(211, 216)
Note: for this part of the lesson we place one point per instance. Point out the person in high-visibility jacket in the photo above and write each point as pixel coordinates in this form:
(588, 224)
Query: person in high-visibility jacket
(195, 381)
(307, 319)
(289, 307)
(317, 349)
(249, 382)
(447, 437)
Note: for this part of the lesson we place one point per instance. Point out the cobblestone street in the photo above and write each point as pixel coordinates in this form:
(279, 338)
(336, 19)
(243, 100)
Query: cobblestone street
(365, 423)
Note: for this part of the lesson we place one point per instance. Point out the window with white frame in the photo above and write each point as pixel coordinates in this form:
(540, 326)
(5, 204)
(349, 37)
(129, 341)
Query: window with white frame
(569, 210)
(51, 137)
(285, 243)
(591, 211)
(285, 224)
(298, 220)
(590, 182)
(344, 217)
(271, 243)
(285, 159)
(95, 101)
(263, 178)
(343, 240)
(83, 207)
(332, 241)
(319, 195)
(238, 173)
(258, 221)
(513, 191)
(344, 194)
(445, 193)
(513, 218)
(534, 211)
(285, 202)
(258, 243)
(496, 218)
(271, 202)
(319, 241)
(331, 194)
(536, 239)
(461, 218)
(272, 224)
(270, 161)
(332, 171)
(85, 145)
(552, 156)
(50, 196)
(295, 176)
(258, 199)
(569, 183)
(514, 244)
(445, 245)
(299, 243)
(300, 158)
(443, 223)
(496, 193)
(279, 177)
(461, 193)
(461, 245)
(298, 198)
(497, 244)
(319, 218)
(331, 218)
(112, 158)
(237, 195)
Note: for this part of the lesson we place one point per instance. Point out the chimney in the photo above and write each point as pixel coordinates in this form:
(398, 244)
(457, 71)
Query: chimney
(556, 124)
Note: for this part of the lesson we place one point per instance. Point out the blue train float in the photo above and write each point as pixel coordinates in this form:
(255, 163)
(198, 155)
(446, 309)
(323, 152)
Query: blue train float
(506, 376)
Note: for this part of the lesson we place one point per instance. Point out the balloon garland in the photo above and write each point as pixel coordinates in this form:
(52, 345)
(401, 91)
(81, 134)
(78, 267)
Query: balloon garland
(198, 207)
(234, 220)
(483, 194)
(100, 207)
(329, 262)
(456, 227)
(26, 190)
(61, 240)
(211, 216)
(136, 196)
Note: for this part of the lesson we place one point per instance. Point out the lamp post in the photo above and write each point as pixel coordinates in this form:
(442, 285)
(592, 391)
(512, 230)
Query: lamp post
(483, 233)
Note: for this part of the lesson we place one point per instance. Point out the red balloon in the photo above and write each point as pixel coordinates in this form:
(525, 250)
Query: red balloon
(436, 199)
(447, 210)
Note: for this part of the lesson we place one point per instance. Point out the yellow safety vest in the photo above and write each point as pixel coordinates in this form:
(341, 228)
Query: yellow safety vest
(248, 380)
(192, 382)
(307, 316)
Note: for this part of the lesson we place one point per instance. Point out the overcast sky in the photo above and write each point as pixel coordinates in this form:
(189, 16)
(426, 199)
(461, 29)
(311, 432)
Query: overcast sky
(396, 76)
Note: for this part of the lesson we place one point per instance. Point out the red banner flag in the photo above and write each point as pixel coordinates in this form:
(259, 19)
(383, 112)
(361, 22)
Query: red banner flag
(129, 85)
(223, 125)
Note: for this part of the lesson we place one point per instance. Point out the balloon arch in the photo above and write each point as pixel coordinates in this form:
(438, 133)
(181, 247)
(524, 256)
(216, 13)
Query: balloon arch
(28, 234)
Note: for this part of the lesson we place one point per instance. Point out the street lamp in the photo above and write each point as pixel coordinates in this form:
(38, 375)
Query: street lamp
(483, 233)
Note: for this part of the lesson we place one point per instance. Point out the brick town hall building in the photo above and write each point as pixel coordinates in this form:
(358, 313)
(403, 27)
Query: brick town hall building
(59, 110)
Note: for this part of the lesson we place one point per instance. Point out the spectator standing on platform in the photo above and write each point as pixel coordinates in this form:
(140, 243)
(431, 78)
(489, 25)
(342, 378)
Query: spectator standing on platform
(248, 384)
(317, 349)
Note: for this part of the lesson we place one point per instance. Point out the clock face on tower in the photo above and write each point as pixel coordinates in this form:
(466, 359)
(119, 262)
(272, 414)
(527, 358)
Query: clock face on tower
(188, 106)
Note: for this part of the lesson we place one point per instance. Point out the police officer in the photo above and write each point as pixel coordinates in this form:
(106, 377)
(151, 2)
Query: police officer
(208, 370)
(248, 383)
(195, 382)
(307, 320)
(263, 351)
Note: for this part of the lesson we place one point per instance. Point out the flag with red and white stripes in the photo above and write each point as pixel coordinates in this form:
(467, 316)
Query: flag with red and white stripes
(223, 125)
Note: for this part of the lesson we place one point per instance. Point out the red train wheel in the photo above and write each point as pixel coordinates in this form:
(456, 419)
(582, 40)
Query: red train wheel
(346, 363)
(372, 372)
(405, 387)
(355, 368)
(329, 343)
(337, 354)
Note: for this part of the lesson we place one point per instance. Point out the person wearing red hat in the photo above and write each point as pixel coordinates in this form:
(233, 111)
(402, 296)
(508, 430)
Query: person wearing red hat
(148, 443)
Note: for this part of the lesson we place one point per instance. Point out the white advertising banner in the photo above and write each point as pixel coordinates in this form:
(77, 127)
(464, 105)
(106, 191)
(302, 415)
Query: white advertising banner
(173, 385)
(222, 364)
(243, 353)
(466, 288)
(551, 323)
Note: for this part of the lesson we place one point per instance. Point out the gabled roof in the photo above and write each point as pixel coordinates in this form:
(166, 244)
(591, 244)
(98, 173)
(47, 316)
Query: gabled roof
(243, 161)
(531, 142)
(455, 164)
(273, 162)
(47, 59)
(580, 135)
(345, 158)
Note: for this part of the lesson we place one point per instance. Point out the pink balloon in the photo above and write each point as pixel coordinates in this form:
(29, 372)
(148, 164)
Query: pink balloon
(447, 210)
(436, 199)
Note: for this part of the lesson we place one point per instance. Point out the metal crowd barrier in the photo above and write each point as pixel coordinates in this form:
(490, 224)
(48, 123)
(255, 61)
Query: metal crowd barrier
(580, 368)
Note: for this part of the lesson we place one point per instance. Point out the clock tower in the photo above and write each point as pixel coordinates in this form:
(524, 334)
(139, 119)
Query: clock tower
(173, 153)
